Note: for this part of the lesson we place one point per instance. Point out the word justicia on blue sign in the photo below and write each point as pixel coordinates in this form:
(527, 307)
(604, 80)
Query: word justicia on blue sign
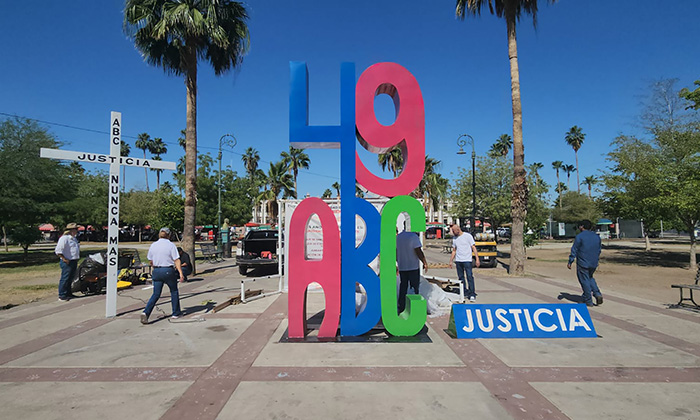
(556, 320)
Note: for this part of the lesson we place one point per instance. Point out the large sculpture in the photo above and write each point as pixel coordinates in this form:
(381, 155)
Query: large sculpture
(358, 122)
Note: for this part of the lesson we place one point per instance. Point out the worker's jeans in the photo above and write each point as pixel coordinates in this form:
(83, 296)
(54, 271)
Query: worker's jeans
(588, 283)
(169, 276)
(462, 267)
(67, 274)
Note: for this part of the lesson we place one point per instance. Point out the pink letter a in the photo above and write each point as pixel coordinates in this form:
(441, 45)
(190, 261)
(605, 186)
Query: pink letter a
(302, 272)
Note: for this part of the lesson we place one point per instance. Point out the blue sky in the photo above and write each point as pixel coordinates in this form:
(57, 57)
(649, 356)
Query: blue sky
(588, 63)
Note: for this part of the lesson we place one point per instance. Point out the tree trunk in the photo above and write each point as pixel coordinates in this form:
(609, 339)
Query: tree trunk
(518, 208)
(559, 189)
(145, 171)
(693, 262)
(578, 180)
(190, 157)
(4, 238)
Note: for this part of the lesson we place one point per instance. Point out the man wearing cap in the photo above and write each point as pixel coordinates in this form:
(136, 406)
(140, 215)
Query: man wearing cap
(165, 260)
(68, 250)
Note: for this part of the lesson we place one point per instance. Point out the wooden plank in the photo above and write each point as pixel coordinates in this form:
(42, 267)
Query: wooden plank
(235, 300)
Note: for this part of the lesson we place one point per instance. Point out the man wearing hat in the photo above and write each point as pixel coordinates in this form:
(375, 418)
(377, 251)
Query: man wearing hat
(68, 250)
(165, 261)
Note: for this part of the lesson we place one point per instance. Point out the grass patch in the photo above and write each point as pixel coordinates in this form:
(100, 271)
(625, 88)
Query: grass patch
(35, 287)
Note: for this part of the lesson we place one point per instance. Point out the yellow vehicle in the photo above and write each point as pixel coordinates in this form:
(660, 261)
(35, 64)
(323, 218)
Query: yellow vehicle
(485, 241)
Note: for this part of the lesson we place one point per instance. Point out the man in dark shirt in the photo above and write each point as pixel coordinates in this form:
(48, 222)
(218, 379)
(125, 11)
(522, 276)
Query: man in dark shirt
(586, 251)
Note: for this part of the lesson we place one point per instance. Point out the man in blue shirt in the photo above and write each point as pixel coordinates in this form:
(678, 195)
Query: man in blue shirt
(586, 251)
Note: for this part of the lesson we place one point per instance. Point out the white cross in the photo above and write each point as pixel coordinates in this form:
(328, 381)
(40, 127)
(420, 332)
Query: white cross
(115, 161)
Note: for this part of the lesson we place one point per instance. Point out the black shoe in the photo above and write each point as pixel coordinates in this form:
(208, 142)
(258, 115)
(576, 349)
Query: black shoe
(590, 304)
(72, 296)
(599, 300)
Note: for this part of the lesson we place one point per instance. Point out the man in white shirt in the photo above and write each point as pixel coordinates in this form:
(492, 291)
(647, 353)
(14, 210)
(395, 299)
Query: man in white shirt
(462, 247)
(409, 255)
(165, 261)
(68, 250)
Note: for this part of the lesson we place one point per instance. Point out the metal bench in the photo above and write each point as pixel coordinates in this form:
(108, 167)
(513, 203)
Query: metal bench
(210, 252)
(690, 288)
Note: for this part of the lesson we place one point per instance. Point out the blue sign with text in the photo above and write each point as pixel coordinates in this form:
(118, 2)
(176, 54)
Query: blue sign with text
(527, 320)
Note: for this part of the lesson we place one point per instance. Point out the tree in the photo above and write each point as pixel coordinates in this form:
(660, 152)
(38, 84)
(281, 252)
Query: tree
(511, 10)
(537, 210)
(296, 159)
(574, 138)
(536, 168)
(175, 35)
(393, 160)
(31, 188)
(568, 169)
(494, 177)
(432, 187)
(557, 165)
(278, 182)
(327, 194)
(250, 161)
(144, 142)
(502, 146)
(336, 187)
(658, 176)
(692, 96)
(158, 147)
(576, 207)
(590, 181)
(124, 150)
(89, 199)
(138, 208)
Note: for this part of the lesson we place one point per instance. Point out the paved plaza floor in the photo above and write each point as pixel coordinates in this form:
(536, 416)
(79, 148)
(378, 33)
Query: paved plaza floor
(62, 360)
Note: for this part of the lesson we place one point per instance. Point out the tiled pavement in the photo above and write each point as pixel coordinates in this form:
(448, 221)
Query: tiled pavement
(64, 360)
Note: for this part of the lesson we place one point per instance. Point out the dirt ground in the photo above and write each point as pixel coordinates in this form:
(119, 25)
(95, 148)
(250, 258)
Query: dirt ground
(625, 268)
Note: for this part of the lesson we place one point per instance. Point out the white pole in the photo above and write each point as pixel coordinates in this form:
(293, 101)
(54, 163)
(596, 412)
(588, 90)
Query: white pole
(113, 215)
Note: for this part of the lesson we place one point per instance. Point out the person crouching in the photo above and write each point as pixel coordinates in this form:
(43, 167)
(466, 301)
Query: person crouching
(165, 261)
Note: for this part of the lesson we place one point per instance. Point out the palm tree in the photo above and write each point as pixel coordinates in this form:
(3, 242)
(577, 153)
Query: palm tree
(535, 168)
(590, 181)
(144, 142)
(175, 35)
(501, 147)
(278, 182)
(557, 165)
(124, 150)
(393, 159)
(568, 169)
(250, 160)
(511, 10)
(158, 148)
(574, 138)
(336, 187)
(327, 194)
(431, 188)
(296, 159)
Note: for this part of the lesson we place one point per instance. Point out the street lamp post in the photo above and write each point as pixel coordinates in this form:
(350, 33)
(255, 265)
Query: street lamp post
(230, 141)
(461, 142)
